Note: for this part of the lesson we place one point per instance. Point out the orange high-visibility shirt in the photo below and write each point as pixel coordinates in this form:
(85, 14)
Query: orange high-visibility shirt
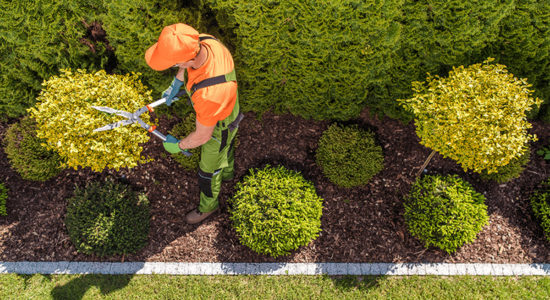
(216, 102)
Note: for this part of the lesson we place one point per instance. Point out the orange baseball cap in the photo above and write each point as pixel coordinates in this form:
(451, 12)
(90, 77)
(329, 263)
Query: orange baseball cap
(177, 43)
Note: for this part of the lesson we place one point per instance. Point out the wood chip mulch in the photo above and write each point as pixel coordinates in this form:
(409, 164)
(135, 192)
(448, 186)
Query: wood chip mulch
(358, 225)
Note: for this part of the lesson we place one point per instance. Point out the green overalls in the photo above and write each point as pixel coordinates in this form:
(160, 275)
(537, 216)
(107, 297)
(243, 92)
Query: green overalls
(217, 155)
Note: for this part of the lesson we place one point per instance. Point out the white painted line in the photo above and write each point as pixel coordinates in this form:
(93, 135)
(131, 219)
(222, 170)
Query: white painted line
(184, 268)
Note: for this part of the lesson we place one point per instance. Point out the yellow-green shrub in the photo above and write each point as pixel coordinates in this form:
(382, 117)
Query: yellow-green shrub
(476, 115)
(66, 119)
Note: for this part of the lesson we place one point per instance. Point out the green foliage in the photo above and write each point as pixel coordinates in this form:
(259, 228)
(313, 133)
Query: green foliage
(544, 152)
(540, 202)
(476, 115)
(544, 113)
(445, 211)
(437, 35)
(27, 155)
(275, 210)
(510, 171)
(107, 218)
(3, 199)
(135, 25)
(181, 130)
(349, 156)
(523, 45)
(37, 38)
(66, 119)
(316, 59)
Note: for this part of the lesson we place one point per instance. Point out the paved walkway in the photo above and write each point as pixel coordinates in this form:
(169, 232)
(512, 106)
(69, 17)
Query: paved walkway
(175, 268)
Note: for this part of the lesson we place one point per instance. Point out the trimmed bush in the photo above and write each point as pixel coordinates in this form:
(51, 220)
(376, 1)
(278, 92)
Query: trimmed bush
(26, 152)
(510, 171)
(3, 199)
(540, 202)
(445, 212)
(275, 210)
(349, 156)
(476, 115)
(107, 218)
(181, 130)
(66, 119)
(316, 59)
(39, 37)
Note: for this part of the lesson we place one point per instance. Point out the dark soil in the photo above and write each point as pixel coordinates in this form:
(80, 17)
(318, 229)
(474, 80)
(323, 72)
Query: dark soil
(359, 225)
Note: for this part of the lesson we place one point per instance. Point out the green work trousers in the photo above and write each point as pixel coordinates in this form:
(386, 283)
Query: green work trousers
(217, 161)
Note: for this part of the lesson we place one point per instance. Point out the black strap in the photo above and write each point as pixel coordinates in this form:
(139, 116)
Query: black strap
(223, 142)
(208, 82)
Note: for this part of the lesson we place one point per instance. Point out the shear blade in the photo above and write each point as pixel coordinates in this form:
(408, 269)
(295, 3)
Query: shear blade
(114, 125)
(106, 109)
(114, 111)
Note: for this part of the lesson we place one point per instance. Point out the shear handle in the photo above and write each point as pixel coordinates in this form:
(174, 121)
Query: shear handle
(149, 107)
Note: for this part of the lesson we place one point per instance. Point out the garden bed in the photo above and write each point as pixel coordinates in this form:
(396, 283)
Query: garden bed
(358, 225)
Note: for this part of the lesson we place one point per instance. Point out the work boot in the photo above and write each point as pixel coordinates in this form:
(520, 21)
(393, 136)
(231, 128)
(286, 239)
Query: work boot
(195, 216)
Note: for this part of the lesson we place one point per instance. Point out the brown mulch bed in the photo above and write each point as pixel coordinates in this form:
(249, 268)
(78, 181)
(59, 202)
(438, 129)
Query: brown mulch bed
(359, 225)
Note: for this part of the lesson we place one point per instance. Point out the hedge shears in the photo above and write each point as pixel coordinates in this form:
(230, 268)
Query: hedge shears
(132, 118)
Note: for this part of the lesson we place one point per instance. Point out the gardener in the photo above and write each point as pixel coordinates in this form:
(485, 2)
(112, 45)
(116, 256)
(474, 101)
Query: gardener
(212, 87)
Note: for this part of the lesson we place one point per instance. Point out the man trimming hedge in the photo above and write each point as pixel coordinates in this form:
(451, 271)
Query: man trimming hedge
(212, 87)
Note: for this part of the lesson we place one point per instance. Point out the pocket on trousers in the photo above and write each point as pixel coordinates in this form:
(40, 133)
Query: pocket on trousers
(205, 183)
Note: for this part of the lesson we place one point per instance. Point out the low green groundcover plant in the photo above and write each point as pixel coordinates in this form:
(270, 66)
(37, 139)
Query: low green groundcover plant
(540, 202)
(349, 156)
(27, 155)
(510, 171)
(445, 211)
(107, 218)
(3, 199)
(545, 151)
(275, 210)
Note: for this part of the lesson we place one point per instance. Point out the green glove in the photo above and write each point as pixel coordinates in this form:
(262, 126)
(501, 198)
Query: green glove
(171, 144)
(171, 92)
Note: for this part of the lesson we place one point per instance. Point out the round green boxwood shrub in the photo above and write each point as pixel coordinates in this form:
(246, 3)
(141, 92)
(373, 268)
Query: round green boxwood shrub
(540, 202)
(27, 155)
(181, 130)
(275, 210)
(445, 211)
(349, 156)
(107, 218)
(510, 171)
(3, 199)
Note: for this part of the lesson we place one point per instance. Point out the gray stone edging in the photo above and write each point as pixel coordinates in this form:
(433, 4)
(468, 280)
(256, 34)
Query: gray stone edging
(183, 268)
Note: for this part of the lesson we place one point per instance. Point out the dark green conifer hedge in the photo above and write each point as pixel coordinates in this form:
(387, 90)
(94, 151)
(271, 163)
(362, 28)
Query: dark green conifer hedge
(523, 45)
(437, 35)
(316, 59)
(329, 59)
(39, 37)
(133, 26)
